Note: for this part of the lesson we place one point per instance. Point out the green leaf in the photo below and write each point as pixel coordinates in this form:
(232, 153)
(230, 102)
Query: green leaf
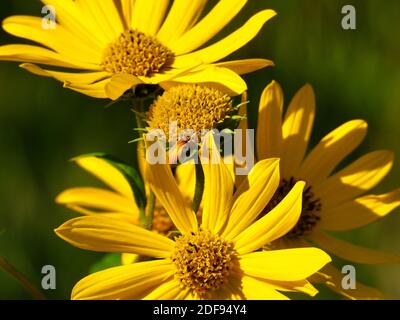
(130, 173)
(109, 260)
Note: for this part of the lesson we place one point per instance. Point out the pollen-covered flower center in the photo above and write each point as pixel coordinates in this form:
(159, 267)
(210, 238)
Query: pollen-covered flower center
(203, 262)
(137, 54)
(311, 207)
(189, 109)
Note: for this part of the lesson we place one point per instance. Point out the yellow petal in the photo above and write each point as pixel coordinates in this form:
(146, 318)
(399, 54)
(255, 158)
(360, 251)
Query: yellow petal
(303, 286)
(284, 265)
(186, 178)
(350, 251)
(229, 161)
(114, 233)
(218, 187)
(97, 199)
(148, 15)
(165, 188)
(245, 66)
(222, 13)
(75, 77)
(296, 129)
(119, 84)
(104, 16)
(274, 224)
(359, 212)
(169, 290)
(107, 173)
(236, 40)
(184, 295)
(85, 211)
(35, 54)
(357, 178)
(252, 196)
(95, 90)
(180, 67)
(128, 258)
(191, 297)
(361, 292)
(133, 281)
(256, 289)
(220, 78)
(73, 16)
(182, 15)
(185, 61)
(269, 127)
(59, 39)
(127, 12)
(332, 149)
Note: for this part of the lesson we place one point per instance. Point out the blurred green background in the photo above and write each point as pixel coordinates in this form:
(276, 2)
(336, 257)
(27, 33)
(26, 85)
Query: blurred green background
(355, 75)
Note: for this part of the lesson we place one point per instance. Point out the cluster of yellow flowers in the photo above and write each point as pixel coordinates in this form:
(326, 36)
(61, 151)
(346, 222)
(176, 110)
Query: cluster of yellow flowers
(199, 231)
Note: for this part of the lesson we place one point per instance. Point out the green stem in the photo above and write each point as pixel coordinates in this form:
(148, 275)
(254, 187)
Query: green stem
(199, 189)
(138, 110)
(142, 216)
(150, 211)
(11, 270)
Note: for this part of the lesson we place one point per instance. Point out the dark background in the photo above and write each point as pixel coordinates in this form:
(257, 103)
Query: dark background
(355, 75)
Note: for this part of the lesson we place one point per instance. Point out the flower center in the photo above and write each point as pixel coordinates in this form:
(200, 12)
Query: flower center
(203, 262)
(137, 54)
(192, 108)
(310, 209)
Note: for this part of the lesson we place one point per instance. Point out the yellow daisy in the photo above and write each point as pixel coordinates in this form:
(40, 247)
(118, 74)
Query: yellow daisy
(218, 259)
(332, 200)
(108, 47)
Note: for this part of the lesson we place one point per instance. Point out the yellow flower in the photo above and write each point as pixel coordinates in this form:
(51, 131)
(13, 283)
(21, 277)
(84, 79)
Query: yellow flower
(332, 200)
(109, 47)
(194, 108)
(213, 260)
